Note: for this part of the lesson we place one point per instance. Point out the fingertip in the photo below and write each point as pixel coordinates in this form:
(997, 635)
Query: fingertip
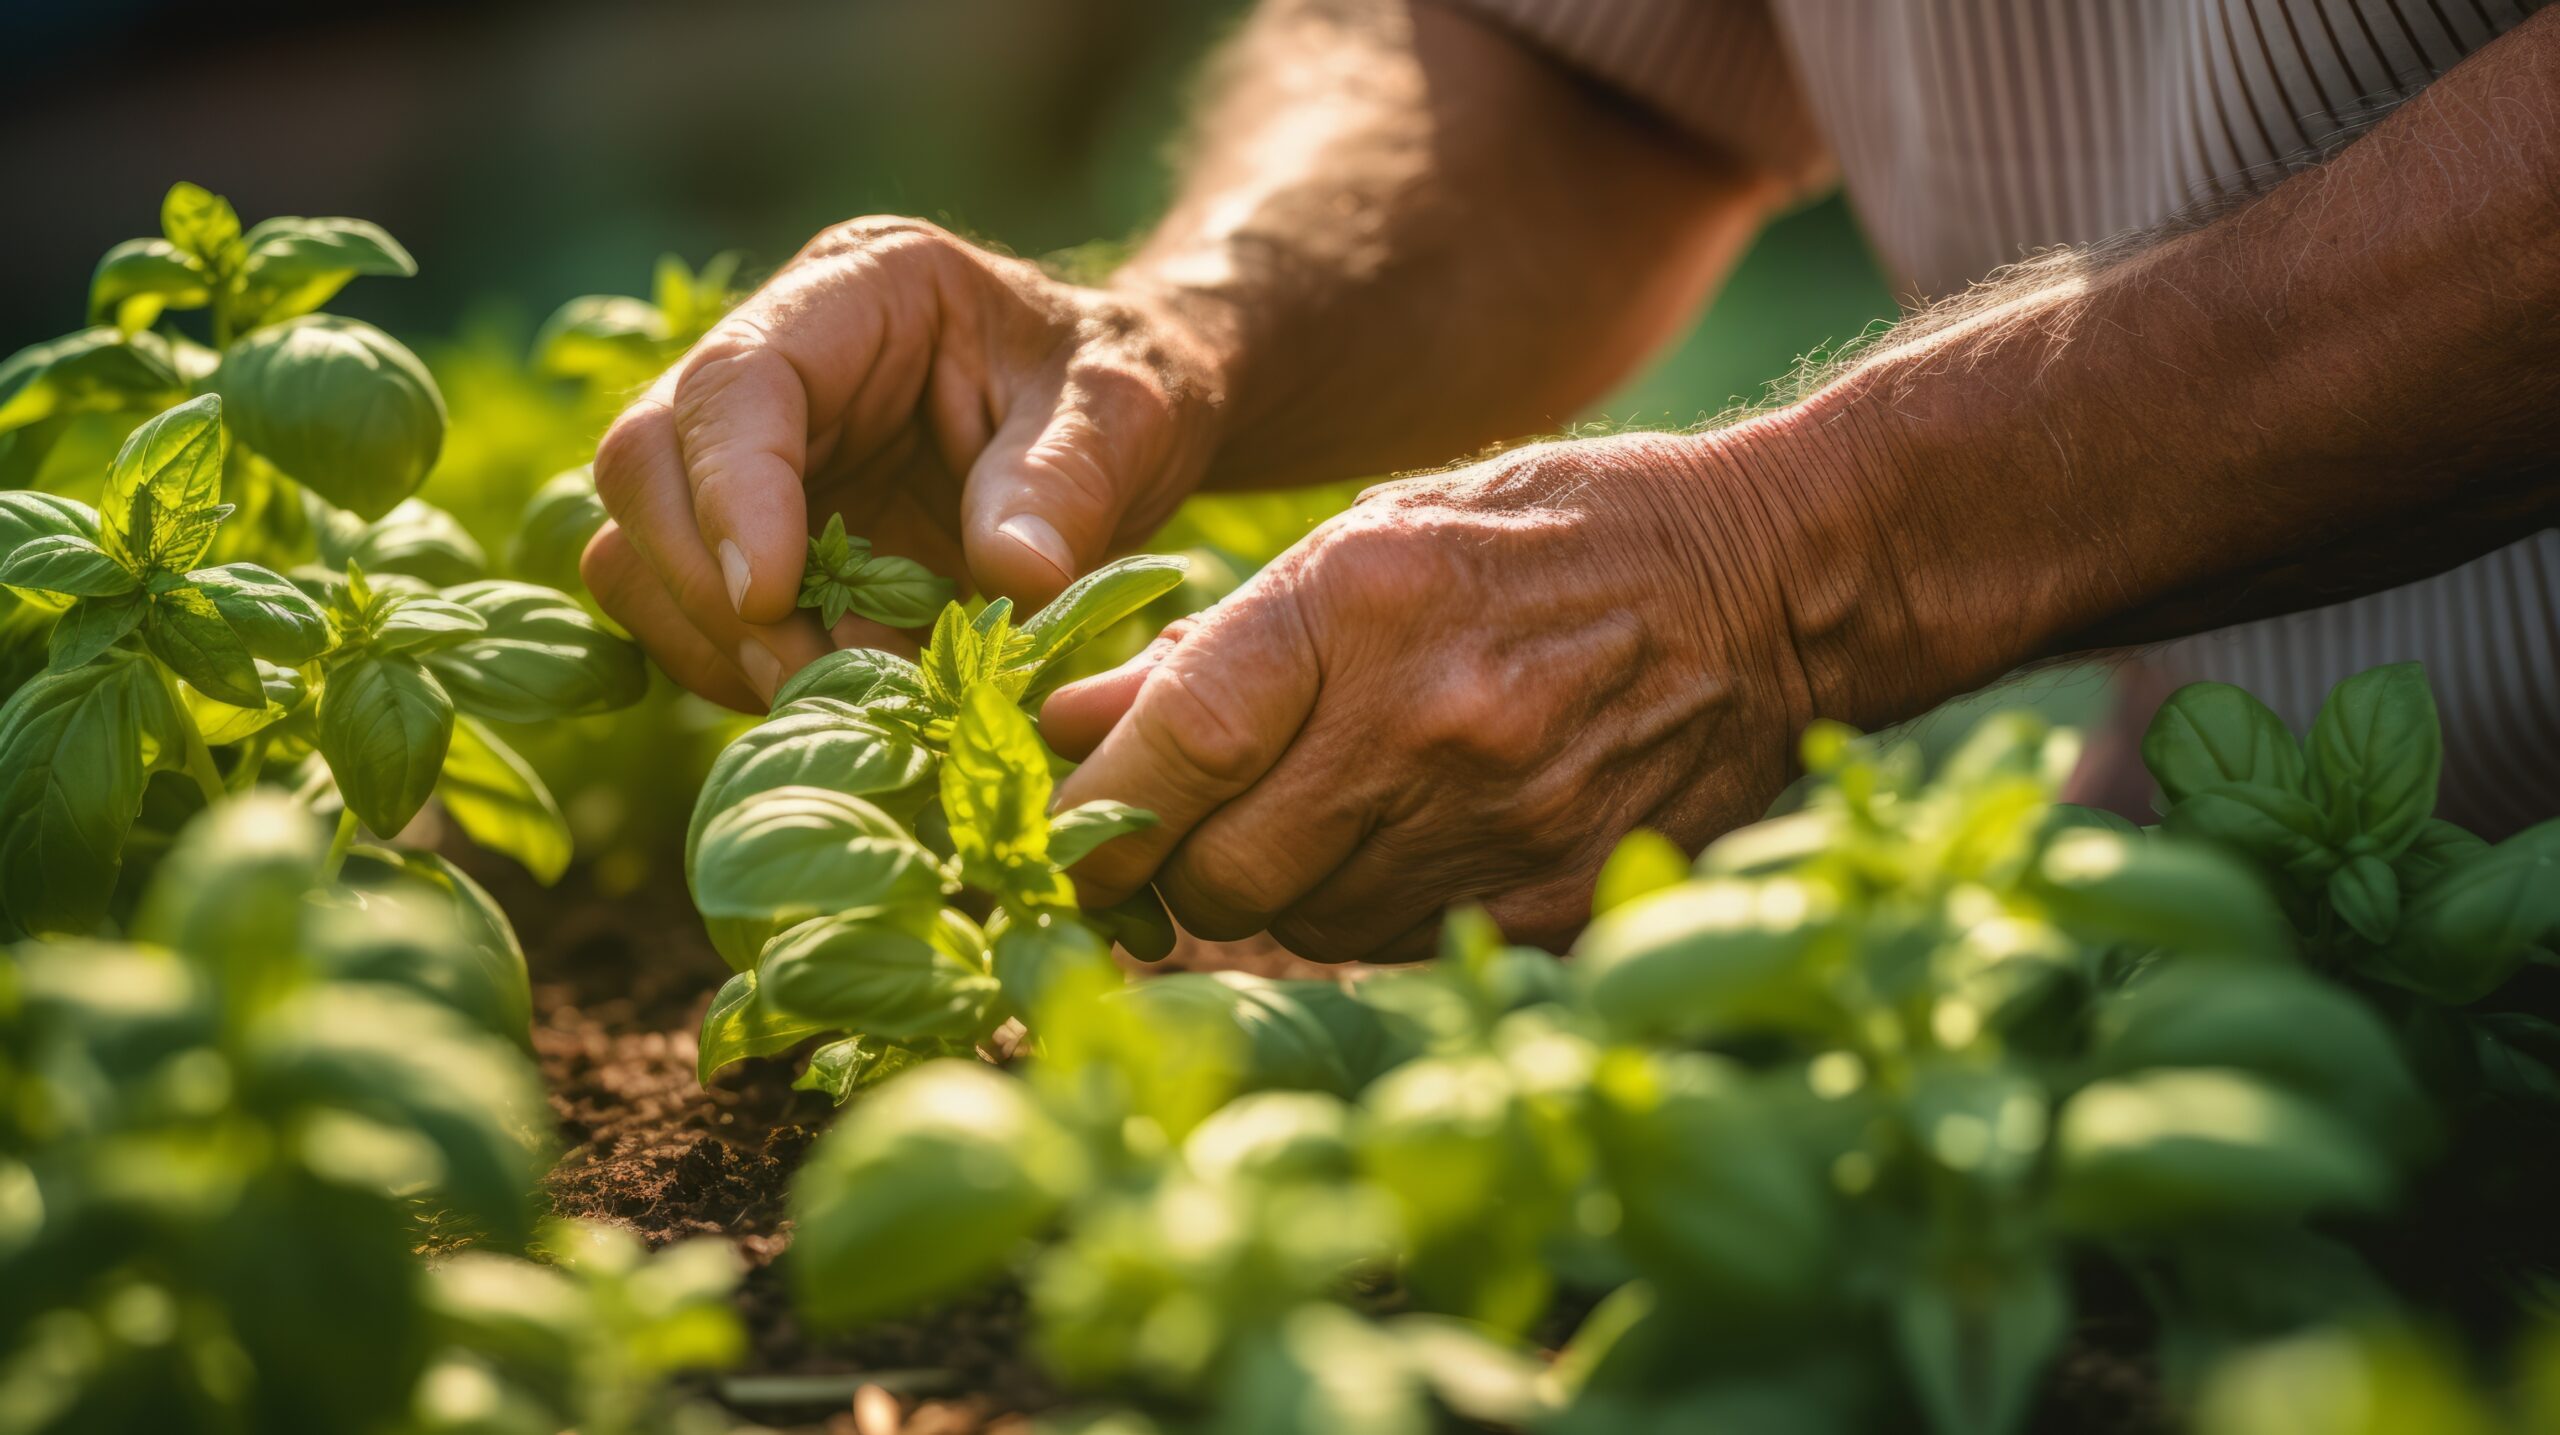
(755, 524)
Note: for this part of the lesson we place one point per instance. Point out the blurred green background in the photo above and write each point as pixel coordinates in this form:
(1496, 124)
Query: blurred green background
(530, 152)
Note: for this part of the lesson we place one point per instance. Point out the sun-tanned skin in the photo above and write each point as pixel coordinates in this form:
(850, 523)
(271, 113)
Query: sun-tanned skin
(1405, 235)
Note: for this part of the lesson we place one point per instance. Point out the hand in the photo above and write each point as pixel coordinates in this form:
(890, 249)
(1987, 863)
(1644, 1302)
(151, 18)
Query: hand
(1468, 687)
(958, 407)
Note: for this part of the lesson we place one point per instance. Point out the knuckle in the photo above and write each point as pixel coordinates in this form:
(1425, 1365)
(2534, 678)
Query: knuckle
(1477, 711)
(1371, 564)
(626, 451)
(876, 234)
(1200, 727)
(1220, 890)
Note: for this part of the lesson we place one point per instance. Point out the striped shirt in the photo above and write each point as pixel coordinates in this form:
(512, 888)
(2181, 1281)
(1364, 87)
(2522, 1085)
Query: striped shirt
(1969, 133)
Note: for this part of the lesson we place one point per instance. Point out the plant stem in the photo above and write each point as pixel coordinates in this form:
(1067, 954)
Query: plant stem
(200, 767)
(253, 758)
(339, 844)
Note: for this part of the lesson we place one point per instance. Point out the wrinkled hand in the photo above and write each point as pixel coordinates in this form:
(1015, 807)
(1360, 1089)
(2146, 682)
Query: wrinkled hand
(959, 408)
(1468, 687)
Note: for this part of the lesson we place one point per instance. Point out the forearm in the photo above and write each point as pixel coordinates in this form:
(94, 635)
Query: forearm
(1405, 235)
(2131, 449)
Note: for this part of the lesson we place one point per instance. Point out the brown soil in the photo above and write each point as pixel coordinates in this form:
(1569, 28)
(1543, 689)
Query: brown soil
(619, 989)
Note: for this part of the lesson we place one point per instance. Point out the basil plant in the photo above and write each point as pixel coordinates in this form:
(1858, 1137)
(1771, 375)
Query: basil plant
(155, 660)
(878, 856)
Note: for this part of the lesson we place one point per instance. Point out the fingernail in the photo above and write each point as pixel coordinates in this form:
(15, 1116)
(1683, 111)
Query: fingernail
(763, 669)
(733, 570)
(1034, 532)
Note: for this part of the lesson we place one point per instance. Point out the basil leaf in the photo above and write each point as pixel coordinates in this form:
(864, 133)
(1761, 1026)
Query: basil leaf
(384, 726)
(221, 722)
(415, 538)
(861, 973)
(68, 565)
(418, 624)
(90, 627)
(199, 222)
(168, 470)
(1076, 832)
(741, 1024)
(542, 657)
(296, 265)
(1091, 604)
(2105, 889)
(796, 851)
(2210, 734)
(93, 371)
(852, 675)
(841, 1068)
(1976, 1342)
(813, 742)
(2286, 831)
(276, 620)
(76, 749)
(2167, 1150)
(2462, 937)
(925, 1188)
(1138, 924)
(1706, 957)
(898, 592)
(2439, 847)
(551, 534)
(27, 517)
(185, 630)
(468, 959)
(2376, 752)
(494, 796)
(1038, 956)
(610, 337)
(153, 271)
(995, 793)
(1643, 862)
(341, 407)
(2366, 896)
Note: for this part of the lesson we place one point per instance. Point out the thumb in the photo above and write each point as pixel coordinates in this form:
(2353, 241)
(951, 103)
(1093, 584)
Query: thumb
(1046, 499)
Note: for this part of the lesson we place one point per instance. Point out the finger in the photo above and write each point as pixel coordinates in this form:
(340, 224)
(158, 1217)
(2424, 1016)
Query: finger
(624, 586)
(640, 477)
(740, 412)
(1258, 855)
(1046, 499)
(1208, 721)
(1079, 715)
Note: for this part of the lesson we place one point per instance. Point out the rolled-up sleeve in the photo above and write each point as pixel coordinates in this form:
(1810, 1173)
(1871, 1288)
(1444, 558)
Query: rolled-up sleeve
(1717, 69)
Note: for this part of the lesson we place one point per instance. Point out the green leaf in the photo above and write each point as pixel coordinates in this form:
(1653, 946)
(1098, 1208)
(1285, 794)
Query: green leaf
(871, 975)
(2305, 1033)
(741, 1024)
(1045, 954)
(2279, 828)
(75, 751)
(2212, 734)
(90, 627)
(384, 726)
(415, 537)
(417, 624)
(898, 592)
(2438, 848)
(1076, 832)
(812, 742)
(794, 852)
(2366, 895)
(1090, 605)
(852, 675)
(611, 338)
(199, 222)
(1976, 1342)
(169, 470)
(27, 518)
(1138, 924)
(1716, 956)
(2462, 937)
(964, 654)
(2170, 1149)
(542, 657)
(995, 793)
(843, 1068)
(220, 722)
(277, 620)
(339, 406)
(458, 949)
(923, 1189)
(2376, 752)
(154, 271)
(185, 630)
(296, 265)
(2105, 888)
(66, 564)
(500, 804)
(93, 371)
(1644, 862)
(552, 533)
